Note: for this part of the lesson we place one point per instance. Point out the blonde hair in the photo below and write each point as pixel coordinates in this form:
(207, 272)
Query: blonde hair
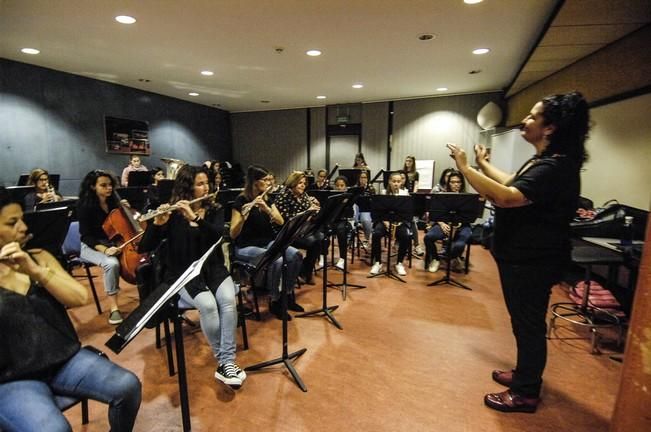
(294, 178)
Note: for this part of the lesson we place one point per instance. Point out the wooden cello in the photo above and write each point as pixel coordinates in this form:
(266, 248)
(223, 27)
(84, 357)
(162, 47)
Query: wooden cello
(121, 227)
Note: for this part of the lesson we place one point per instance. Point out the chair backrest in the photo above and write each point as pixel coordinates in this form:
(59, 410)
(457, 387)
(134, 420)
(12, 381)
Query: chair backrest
(72, 242)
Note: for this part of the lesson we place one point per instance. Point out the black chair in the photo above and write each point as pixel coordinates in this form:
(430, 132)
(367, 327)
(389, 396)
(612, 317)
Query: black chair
(585, 314)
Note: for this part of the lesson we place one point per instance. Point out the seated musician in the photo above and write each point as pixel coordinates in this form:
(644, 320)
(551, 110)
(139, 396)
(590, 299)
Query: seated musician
(291, 201)
(321, 181)
(381, 228)
(40, 353)
(411, 178)
(360, 162)
(342, 227)
(134, 165)
(96, 200)
(153, 191)
(252, 231)
(43, 191)
(443, 181)
(440, 230)
(364, 217)
(190, 232)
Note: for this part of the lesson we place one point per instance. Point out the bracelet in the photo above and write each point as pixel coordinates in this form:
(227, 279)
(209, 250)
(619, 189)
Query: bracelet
(47, 277)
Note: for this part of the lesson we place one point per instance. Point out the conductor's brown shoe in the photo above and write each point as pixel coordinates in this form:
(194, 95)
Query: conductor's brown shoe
(503, 377)
(507, 401)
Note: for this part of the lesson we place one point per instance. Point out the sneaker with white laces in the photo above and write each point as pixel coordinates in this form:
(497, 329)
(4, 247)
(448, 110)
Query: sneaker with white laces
(419, 250)
(340, 264)
(400, 269)
(115, 317)
(320, 263)
(227, 374)
(239, 372)
(376, 269)
(433, 266)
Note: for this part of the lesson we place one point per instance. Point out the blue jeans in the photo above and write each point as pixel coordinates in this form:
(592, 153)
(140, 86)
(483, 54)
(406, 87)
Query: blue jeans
(294, 264)
(218, 318)
(459, 242)
(109, 264)
(365, 219)
(28, 405)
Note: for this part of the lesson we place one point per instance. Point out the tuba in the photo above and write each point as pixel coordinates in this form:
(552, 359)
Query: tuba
(173, 166)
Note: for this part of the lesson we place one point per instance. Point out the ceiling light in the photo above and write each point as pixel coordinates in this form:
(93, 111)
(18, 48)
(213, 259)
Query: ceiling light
(480, 51)
(265, 101)
(313, 53)
(125, 19)
(474, 71)
(358, 86)
(426, 36)
(193, 94)
(320, 97)
(207, 73)
(442, 89)
(472, 1)
(32, 51)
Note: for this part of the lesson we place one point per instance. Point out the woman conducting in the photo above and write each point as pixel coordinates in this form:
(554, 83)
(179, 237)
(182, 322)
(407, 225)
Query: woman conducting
(531, 246)
(40, 354)
(190, 232)
(252, 231)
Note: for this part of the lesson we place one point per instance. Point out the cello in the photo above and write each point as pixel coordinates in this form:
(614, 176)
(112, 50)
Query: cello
(122, 228)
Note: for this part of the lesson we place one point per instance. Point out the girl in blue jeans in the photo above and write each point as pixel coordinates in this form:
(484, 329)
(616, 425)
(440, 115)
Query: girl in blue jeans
(40, 354)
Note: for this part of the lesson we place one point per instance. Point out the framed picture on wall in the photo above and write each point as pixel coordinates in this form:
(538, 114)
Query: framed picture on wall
(125, 136)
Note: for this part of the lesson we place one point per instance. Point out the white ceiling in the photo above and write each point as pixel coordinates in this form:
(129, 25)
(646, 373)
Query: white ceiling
(374, 42)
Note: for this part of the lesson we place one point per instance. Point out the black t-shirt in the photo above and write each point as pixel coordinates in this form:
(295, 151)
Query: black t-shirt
(257, 229)
(412, 178)
(540, 231)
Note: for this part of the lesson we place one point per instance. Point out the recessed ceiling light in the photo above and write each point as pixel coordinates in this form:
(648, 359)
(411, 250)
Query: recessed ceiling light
(313, 52)
(358, 86)
(426, 36)
(320, 97)
(145, 80)
(480, 51)
(472, 1)
(442, 89)
(264, 101)
(125, 19)
(32, 51)
(207, 73)
(193, 94)
(474, 71)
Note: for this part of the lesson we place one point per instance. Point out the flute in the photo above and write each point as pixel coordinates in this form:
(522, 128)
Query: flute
(26, 240)
(246, 208)
(153, 213)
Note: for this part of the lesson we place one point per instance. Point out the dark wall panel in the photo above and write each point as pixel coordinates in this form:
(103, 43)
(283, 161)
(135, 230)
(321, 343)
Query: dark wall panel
(55, 120)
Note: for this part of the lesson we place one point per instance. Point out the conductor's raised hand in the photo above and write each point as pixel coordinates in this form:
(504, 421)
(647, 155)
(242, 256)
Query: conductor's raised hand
(459, 155)
(481, 154)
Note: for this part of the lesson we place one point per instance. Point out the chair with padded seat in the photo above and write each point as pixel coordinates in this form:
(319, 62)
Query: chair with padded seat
(586, 314)
(71, 250)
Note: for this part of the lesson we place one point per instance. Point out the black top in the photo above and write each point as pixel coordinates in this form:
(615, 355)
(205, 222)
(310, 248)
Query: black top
(186, 244)
(91, 218)
(289, 205)
(257, 229)
(36, 335)
(539, 231)
(412, 178)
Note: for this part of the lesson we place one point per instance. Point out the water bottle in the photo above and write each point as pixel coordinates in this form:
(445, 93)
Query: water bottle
(627, 231)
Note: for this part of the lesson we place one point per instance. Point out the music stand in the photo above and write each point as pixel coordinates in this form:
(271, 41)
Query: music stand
(292, 229)
(392, 208)
(453, 208)
(140, 178)
(352, 174)
(52, 178)
(18, 193)
(165, 187)
(49, 228)
(328, 214)
(148, 308)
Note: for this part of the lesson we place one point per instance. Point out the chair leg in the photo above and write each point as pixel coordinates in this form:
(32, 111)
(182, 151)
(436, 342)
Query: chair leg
(242, 320)
(84, 411)
(467, 263)
(92, 288)
(168, 346)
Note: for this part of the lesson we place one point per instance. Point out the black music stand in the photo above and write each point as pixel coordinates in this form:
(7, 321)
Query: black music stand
(150, 308)
(392, 208)
(292, 229)
(49, 228)
(453, 208)
(329, 213)
(346, 213)
(140, 178)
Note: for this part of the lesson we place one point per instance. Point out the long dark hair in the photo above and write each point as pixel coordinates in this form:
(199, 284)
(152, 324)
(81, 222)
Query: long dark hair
(359, 156)
(87, 194)
(443, 180)
(253, 174)
(184, 184)
(570, 114)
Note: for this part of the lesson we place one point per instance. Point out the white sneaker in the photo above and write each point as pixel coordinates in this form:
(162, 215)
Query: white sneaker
(419, 250)
(340, 264)
(376, 269)
(320, 263)
(400, 269)
(433, 266)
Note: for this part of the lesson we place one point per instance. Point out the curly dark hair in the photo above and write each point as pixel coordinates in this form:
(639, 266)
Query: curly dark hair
(88, 196)
(570, 114)
(184, 184)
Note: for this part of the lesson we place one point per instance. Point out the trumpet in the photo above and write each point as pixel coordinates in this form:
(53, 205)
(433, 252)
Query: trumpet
(246, 208)
(153, 213)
